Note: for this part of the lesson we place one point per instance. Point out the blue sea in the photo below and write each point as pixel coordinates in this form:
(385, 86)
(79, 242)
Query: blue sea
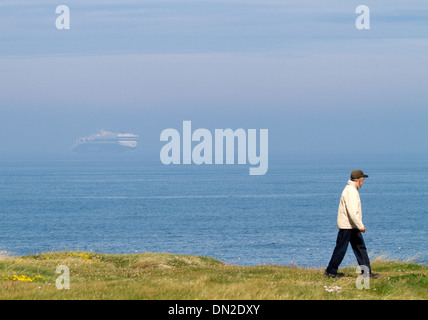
(286, 217)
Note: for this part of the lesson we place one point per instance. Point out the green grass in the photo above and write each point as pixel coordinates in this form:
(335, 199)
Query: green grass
(170, 276)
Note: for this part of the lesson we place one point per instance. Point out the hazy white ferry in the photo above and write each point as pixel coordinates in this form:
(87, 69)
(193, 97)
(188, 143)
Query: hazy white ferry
(105, 142)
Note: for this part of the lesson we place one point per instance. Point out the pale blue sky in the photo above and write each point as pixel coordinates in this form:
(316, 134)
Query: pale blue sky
(298, 68)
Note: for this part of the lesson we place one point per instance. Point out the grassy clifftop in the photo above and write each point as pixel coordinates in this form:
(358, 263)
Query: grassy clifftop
(170, 276)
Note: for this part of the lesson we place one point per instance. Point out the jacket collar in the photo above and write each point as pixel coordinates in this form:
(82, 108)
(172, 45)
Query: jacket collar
(354, 184)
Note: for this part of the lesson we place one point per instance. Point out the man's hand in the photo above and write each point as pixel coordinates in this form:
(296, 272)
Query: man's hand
(363, 230)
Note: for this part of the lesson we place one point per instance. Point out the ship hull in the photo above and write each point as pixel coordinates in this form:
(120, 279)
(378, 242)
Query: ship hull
(101, 148)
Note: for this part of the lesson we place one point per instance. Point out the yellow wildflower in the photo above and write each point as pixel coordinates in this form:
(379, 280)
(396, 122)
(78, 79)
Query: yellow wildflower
(23, 278)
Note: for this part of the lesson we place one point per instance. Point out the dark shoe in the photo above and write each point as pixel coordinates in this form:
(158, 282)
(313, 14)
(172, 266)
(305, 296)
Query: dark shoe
(332, 275)
(374, 275)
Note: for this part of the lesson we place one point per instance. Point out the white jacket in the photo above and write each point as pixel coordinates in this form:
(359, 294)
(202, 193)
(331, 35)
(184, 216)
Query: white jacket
(349, 215)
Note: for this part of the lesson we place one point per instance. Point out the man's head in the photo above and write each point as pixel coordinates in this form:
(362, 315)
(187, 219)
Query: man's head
(358, 176)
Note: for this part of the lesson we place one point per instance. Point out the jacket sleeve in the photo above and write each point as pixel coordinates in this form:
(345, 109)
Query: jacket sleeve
(353, 206)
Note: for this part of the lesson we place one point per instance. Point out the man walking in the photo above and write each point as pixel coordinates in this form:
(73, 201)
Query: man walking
(351, 227)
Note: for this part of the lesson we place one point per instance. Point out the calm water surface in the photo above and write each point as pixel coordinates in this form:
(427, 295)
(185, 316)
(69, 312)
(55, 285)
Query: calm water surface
(287, 216)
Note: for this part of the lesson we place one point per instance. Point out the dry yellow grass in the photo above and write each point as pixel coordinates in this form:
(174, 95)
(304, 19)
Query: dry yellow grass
(174, 277)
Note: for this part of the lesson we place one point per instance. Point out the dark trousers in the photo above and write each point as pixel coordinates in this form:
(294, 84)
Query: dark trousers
(345, 236)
